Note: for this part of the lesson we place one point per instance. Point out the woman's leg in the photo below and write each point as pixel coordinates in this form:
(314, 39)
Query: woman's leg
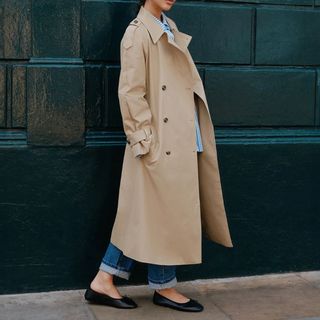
(113, 263)
(163, 279)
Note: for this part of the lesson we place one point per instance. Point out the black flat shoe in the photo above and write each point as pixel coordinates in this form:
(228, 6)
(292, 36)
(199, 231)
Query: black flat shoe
(99, 298)
(191, 306)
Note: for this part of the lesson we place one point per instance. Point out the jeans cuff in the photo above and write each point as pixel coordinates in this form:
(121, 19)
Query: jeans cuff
(120, 273)
(168, 284)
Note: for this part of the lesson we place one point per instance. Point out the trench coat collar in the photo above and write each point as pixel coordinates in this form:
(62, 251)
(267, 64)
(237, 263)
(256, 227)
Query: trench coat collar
(182, 39)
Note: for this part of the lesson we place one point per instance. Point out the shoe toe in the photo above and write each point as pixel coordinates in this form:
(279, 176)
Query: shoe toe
(191, 305)
(99, 298)
(129, 302)
(194, 305)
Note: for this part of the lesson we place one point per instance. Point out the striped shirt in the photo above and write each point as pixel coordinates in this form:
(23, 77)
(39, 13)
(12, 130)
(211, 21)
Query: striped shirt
(166, 28)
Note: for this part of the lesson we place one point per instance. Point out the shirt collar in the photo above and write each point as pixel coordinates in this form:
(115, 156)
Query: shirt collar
(155, 29)
(164, 20)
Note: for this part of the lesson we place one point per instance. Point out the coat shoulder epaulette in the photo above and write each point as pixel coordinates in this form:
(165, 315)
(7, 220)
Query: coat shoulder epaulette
(135, 22)
(128, 38)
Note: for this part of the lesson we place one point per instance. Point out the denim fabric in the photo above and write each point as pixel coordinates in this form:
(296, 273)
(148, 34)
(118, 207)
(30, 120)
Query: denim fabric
(116, 263)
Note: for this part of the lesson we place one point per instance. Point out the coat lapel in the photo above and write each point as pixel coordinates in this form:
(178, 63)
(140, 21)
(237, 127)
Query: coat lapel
(181, 39)
(181, 42)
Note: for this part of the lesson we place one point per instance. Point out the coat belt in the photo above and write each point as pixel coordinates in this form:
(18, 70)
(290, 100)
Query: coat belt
(139, 135)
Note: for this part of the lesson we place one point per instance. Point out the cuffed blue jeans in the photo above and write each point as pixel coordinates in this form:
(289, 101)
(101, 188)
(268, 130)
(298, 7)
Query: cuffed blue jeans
(116, 263)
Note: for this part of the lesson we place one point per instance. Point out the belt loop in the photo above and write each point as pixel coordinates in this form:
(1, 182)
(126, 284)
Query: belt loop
(147, 133)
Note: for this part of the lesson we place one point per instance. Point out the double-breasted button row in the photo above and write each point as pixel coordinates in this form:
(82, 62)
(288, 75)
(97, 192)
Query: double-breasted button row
(165, 119)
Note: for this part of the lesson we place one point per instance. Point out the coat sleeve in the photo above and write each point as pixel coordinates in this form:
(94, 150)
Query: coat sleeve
(135, 110)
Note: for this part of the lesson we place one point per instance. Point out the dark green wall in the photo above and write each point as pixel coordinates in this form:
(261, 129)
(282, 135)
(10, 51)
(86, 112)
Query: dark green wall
(61, 138)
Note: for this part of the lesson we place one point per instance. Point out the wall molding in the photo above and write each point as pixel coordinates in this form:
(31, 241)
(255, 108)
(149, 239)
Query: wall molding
(16, 138)
(224, 136)
(13, 138)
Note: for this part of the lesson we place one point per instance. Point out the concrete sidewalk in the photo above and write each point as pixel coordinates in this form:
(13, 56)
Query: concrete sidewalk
(294, 296)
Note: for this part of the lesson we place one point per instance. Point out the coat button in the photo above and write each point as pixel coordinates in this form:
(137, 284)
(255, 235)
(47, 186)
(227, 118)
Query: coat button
(135, 21)
(128, 141)
(168, 152)
(164, 87)
(165, 119)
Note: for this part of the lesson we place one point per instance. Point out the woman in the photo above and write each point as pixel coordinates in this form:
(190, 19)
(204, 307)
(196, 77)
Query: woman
(168, 166)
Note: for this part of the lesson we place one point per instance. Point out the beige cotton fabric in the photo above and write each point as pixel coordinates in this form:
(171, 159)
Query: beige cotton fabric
(169, 194)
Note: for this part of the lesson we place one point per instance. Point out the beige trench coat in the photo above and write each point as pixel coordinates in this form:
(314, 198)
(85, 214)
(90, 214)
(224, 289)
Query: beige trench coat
(168, 192)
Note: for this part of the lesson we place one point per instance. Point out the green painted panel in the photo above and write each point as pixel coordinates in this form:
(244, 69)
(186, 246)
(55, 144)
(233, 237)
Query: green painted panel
(287, 37)
(100, 39)
(3, 102)
(59, 204)
(56, 28)
(112, 118)
(12, 96)
(94, 95)
(273, 204)
(103, 109)
(317, 106)
(15, 29)
(261, 97)
(221, 34)
(56, 114)
(230, 41)
(19, 96)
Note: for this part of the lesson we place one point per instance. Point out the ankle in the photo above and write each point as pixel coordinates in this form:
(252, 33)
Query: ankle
(103, 277)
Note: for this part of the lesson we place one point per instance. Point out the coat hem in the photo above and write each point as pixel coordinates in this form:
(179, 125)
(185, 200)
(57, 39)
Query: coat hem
(164, 263)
